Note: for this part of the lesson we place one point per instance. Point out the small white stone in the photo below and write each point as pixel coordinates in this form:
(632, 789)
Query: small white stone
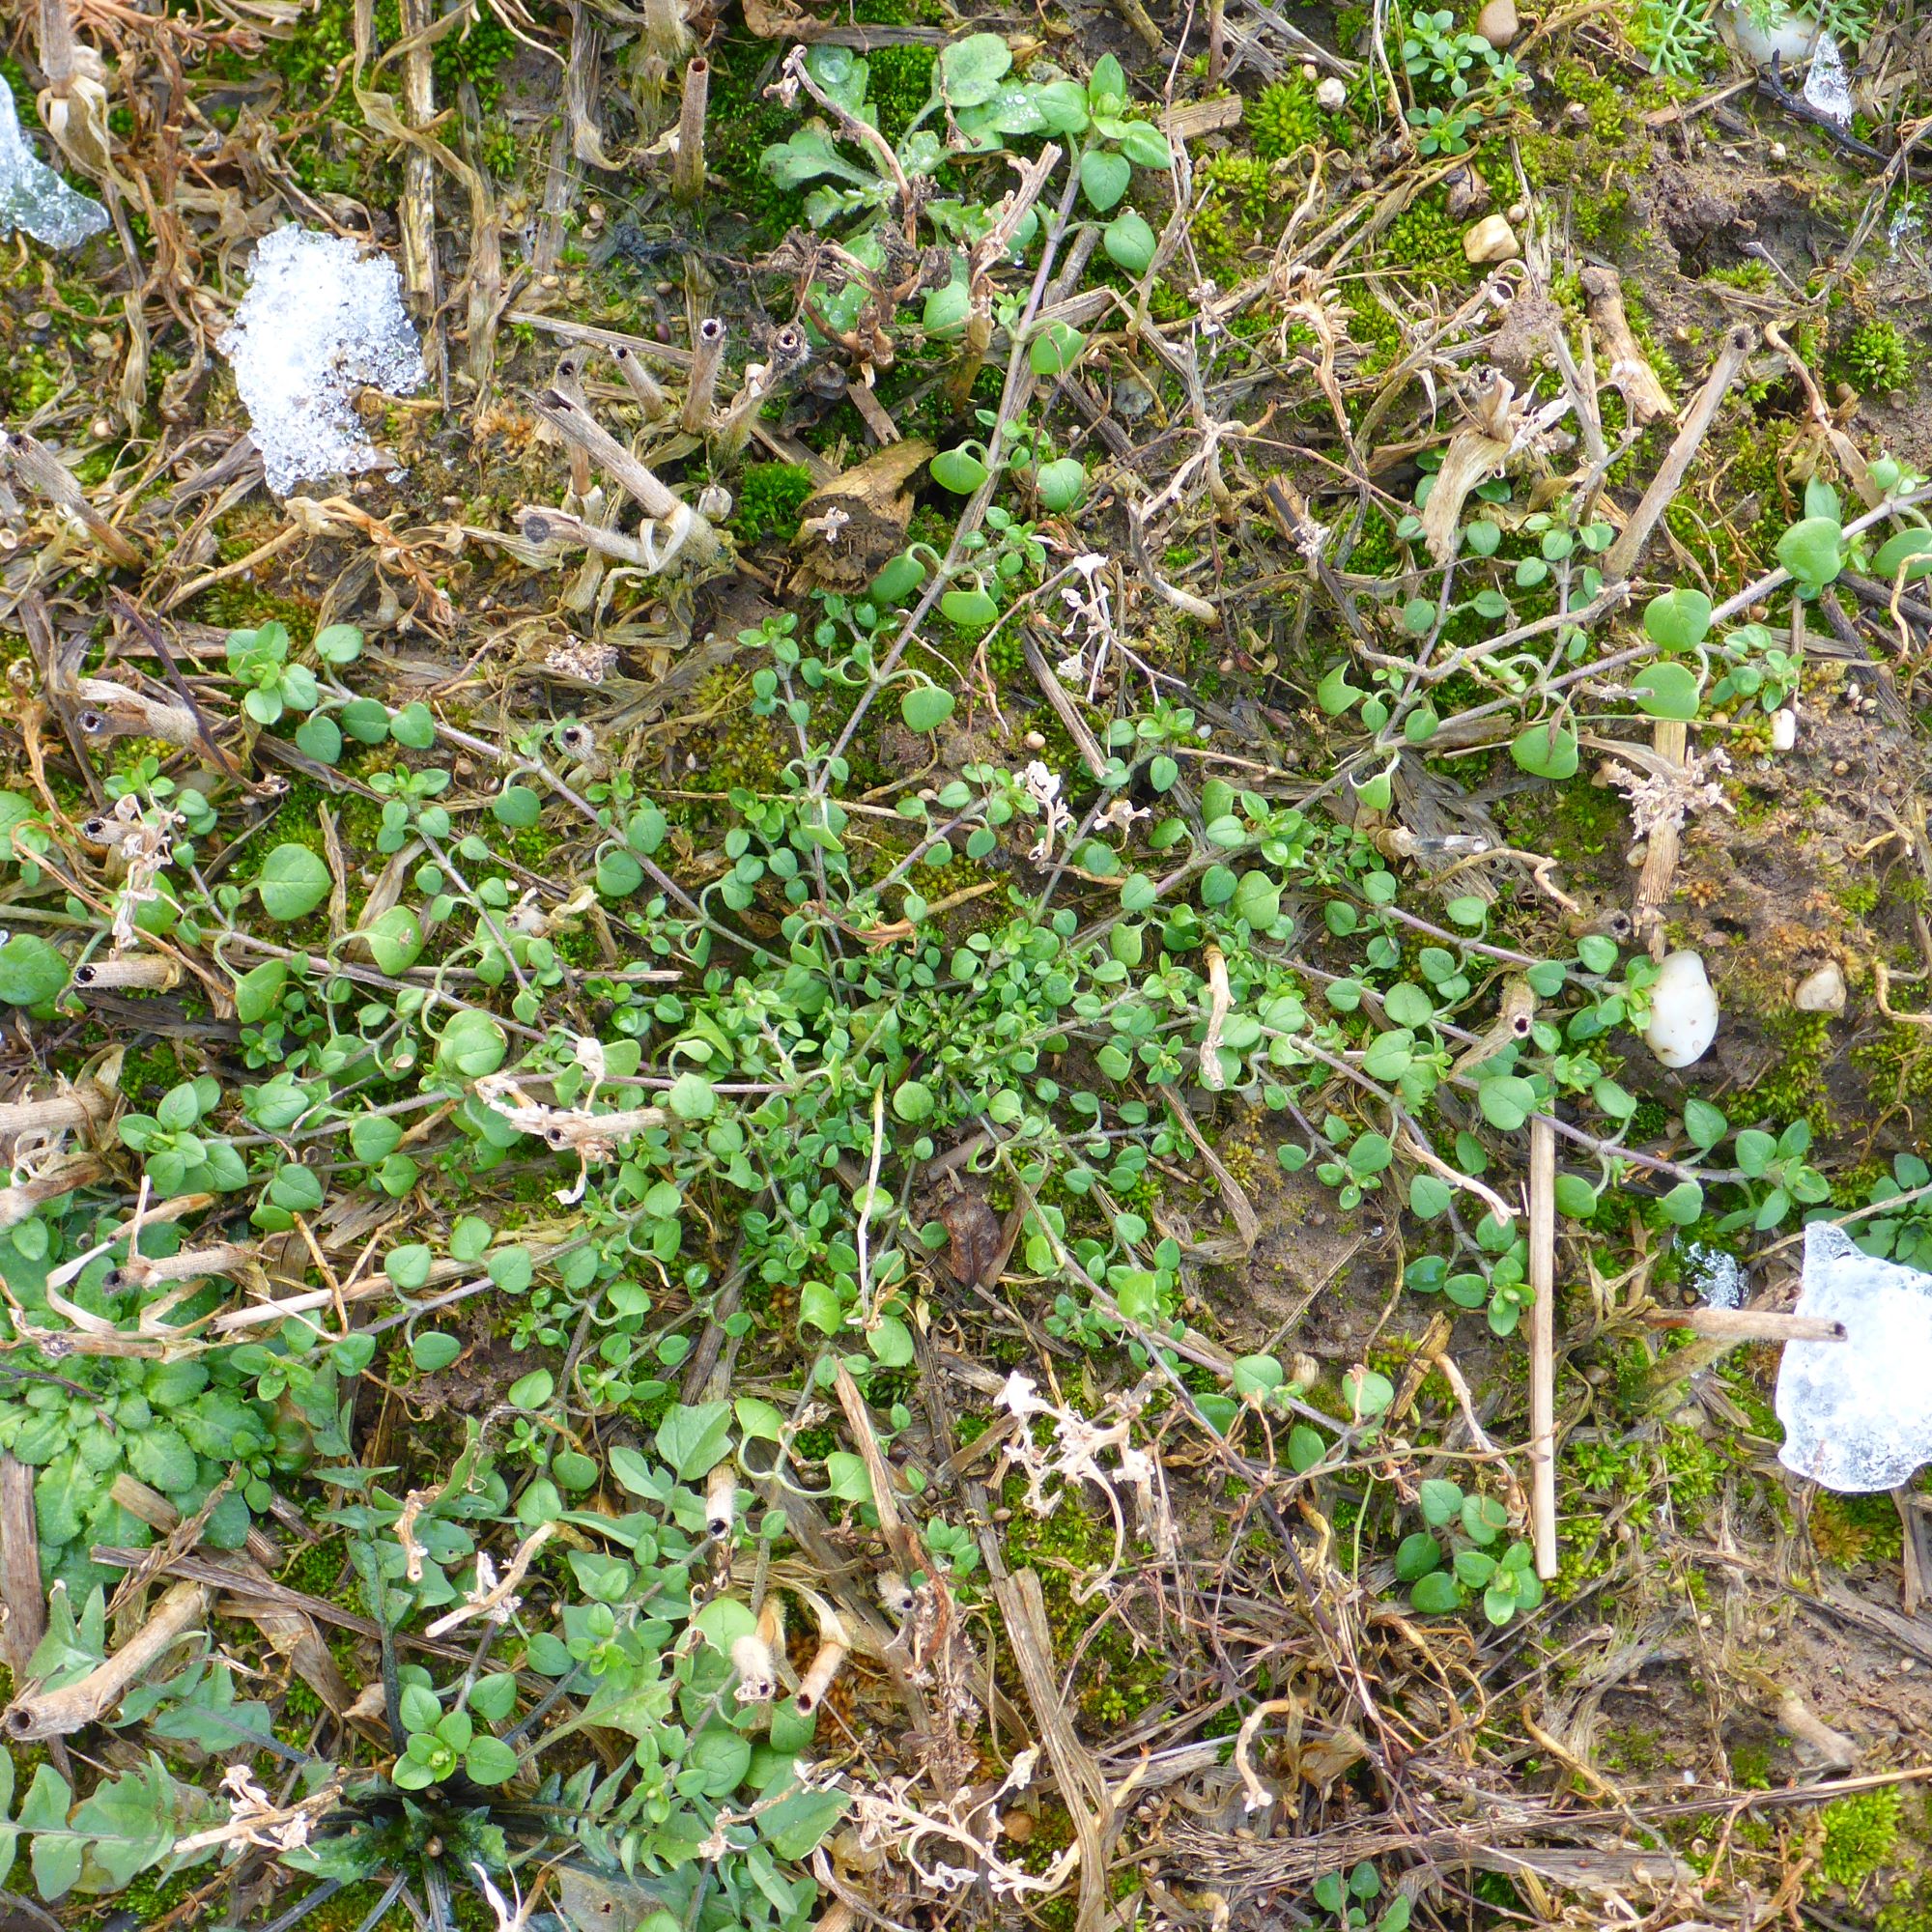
(1682, 1012)
(1492, 239)
(1774, 32)
(1822, 991)
(1783, 728)
(1332, 96)
(1497, 23)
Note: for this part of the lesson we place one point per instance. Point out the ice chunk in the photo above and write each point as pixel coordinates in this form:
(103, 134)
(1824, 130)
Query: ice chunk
(1714, 1275)
(1858, 1413)
(320, 320)
(33, 197)
(1828, 87)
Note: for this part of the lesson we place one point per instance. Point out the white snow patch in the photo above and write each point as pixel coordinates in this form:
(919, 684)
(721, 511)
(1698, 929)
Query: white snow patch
(320, 320)
(33, 197)
(1858, 1413)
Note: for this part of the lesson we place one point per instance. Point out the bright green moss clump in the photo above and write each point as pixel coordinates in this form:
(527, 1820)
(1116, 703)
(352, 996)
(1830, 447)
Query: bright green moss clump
(1860, 1836)
(1875, 360)
(1283, 118)
(770, 497)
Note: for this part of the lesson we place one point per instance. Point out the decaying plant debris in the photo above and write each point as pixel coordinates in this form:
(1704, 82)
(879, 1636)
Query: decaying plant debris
(965, 1071)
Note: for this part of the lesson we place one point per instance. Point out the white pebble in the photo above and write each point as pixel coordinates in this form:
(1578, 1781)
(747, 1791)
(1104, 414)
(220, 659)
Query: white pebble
(1822, 991)
(1682, 1012)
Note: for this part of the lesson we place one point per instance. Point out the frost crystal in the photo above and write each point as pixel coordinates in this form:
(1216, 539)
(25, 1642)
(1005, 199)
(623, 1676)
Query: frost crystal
(318, 322)
(1858, 1413)
(33, 197)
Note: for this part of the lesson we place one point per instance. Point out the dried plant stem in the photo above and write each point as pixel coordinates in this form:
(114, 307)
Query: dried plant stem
(1630, 372)
(688, 531)
(706, 360)
(22, 1197)
(687, 175)
(145, 971)
(1621, 558)
(419, 210)
(641, 382)
(1669, 741)
(37, 468)
(1747, 1324)
(83, 1107)
(140, 1271)
(1543, 1345)
(19, 1567)
(57, 1714)
(583, 477)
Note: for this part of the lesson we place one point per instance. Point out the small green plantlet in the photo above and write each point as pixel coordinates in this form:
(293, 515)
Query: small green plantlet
(1350, 1899)
(259, 659)
(1441, 1579)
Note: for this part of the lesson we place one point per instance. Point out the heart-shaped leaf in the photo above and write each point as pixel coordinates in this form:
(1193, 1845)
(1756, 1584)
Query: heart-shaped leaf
(1103, 178)
(293, 882)
(1666, 691)
(972, 69)
(1129, 241)
(925, 708)
(1677, 621)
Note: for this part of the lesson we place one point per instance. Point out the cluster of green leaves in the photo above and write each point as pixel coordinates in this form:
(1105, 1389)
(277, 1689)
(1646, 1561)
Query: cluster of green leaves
(1676, 36)
(1903, 1231)
(985, 111)
(1470, 80)
(180, 1427)
(640, 1636)
(1441, 1579)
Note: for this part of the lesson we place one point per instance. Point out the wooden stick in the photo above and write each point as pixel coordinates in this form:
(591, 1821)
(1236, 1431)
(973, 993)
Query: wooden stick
(1747, 1324)
(55, 1713)
(1543, 1345)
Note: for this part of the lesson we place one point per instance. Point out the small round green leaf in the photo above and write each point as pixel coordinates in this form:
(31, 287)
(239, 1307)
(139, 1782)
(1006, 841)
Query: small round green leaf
(925, 707)
(30, 971)
(293, 882)
(1130, 242)
(434, 1350)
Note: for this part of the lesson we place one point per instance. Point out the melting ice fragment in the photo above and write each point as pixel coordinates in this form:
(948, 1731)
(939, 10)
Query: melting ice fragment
(1715, 1275)
(318, 322)
(33, 197)
(1828, 87)
(1858, 1413)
